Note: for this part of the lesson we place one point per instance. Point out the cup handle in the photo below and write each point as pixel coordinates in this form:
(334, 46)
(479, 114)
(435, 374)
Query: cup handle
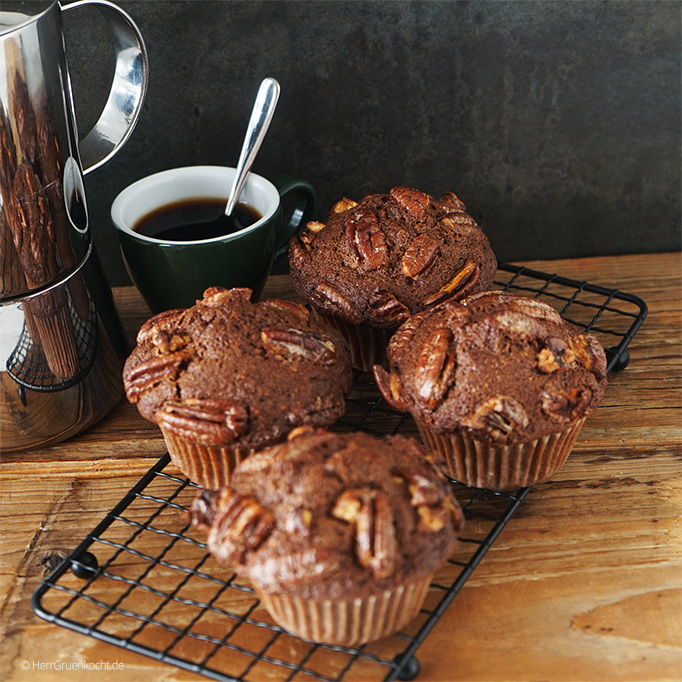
(128, 89)
(303, 208)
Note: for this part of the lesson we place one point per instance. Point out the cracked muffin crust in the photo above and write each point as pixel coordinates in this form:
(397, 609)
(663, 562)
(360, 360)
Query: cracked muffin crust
(327, 524)
(227, 377)
(376, 262)
(496, 373)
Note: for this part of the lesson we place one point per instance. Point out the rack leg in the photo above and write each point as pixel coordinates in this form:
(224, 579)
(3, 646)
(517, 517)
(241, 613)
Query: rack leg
(409, 669)
(623, 359)
(85, 566)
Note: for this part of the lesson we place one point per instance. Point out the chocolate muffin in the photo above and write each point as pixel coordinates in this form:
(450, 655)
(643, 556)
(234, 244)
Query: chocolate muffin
(340, 533)
(379, 261)
(227, 377)
(499, 385)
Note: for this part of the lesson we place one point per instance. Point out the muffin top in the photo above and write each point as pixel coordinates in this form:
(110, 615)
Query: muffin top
(227, 370)
(503, 368)
(332, 515)
(389, 256)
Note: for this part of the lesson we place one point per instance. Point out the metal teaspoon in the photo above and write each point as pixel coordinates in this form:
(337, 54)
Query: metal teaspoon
(263, 110)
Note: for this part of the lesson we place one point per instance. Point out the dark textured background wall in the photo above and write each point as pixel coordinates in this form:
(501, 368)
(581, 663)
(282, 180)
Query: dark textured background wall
(556, 122)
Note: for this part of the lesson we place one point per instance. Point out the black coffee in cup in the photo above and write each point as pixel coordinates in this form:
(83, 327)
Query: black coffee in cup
(195, 218)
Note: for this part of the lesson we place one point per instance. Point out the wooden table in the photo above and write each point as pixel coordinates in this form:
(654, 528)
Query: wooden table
(583, 584)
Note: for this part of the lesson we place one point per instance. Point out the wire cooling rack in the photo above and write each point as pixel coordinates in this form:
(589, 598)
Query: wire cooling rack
(144, 581)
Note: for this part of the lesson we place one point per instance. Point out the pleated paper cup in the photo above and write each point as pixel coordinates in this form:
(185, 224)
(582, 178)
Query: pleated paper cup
(501, 467)
(347, 622)
(208, 466)
(367, 344)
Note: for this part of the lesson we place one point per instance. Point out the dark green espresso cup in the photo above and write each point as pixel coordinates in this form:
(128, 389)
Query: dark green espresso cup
(174, 274)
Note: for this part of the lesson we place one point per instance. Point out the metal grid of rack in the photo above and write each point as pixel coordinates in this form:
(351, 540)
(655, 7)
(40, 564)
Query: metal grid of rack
(142, 580)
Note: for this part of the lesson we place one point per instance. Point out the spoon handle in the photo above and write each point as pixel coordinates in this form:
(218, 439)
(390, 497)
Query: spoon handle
(263, 110)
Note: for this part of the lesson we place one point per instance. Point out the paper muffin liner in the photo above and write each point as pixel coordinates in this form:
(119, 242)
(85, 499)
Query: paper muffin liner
(367, 344)
(347, 622)
(207, 466)
(501, 467)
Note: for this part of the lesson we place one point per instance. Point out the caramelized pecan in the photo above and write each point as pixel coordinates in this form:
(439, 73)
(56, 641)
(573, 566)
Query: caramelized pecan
(420, 255)
(295, 344)
(347, 505)
(460, 222)
(282, 570)
(434, 506)
(240, 524)
(547, 362)
(389, 385)
(323, 408)
(597, 356)
(516, 305)
(331, 301)
(217, 296)
(303, 430)
(451, 200)
(375, 537)
(151, 372)
(555, 355)
(298, 522)
(518, 323)
(156, 323)
(405, 333)
(498, 416)
(411, 201)
(298, 256)
(287, 307)
(203, 509)
(581, 348)
(210, 421)
(458, 285)
(306, 238)
(384, 306)
(564, 406)
(454, 314)
(431, 520)
(166, 342)
(344, 205)
(366, 240)
(423, 490)
(536, 309)
(312, 228)
(401, 238)
(435, 367)
(376, 546)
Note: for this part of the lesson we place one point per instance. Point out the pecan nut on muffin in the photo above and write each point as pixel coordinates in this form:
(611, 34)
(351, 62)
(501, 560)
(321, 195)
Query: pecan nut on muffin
(391, 255)
(227, 377)
(340, 534)
(499, 385)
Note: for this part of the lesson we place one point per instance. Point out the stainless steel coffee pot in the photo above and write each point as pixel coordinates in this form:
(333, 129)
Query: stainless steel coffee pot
(61, 342)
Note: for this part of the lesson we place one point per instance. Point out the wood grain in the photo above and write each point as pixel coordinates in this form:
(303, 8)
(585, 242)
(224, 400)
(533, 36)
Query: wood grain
(584, 584)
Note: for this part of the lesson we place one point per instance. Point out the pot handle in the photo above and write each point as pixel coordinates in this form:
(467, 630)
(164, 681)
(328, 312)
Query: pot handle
(128, 89)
